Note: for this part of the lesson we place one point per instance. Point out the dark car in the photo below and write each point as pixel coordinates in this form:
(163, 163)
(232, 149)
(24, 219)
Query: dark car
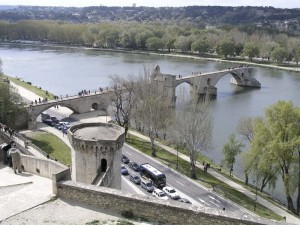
(135, 179)
(134, 166)
(48, 122)
(124, 159)
(54, 119)
(184, 200)
(124, 171)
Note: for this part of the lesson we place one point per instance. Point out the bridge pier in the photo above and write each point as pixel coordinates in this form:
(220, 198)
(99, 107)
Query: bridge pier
(207, 92)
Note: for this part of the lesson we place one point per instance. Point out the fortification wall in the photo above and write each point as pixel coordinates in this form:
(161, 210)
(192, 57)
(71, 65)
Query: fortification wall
(155, 210)
(42, 167)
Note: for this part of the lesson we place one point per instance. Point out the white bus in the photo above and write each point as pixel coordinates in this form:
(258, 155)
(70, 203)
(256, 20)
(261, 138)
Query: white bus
(150, 172)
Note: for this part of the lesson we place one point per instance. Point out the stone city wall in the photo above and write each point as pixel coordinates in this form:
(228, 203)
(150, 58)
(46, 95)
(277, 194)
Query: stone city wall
(42, 167)
(148, 208)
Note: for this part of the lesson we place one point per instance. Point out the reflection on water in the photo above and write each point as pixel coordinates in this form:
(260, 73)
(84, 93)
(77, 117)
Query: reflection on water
(68, 70)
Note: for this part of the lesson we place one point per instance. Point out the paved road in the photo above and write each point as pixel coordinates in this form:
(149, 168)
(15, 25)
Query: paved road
(186, 188)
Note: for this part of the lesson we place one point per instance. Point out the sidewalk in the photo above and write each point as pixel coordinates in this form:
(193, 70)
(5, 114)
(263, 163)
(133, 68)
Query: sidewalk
(275, 208)
(19, 193)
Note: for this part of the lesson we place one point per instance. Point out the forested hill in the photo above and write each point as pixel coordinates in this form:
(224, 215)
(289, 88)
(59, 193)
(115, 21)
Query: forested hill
(211, 15)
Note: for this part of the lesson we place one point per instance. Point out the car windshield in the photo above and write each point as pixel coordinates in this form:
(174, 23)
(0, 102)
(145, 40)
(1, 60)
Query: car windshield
(172, 191)
(148, 184)
(123, 167)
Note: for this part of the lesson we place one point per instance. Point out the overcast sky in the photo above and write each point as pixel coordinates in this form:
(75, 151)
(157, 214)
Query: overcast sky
(155, 3)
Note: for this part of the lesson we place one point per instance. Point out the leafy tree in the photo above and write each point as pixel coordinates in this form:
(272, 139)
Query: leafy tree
(251, 50)
(142, 37)
(128, 38)
(200, 46)
(11, 104)
(183, 43)
(297, 55)
(267, 48)
(277, 140)
(155, 43)
(238, 49)
(278, 54)
(230, 150)
(225, 48)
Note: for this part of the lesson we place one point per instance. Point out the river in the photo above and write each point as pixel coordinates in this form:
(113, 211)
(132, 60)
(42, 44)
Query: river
(69, 70)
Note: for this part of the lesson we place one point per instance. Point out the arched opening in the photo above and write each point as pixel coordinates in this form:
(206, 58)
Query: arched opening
(103, 165)
(95, 106)
(208, 82)
(183, 94)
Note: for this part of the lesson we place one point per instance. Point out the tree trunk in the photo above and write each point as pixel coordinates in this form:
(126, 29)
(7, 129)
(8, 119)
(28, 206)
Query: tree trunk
(290, 204)
(152, 138)
(246, 178)
(193, 167)
(289, 199)
(126, 131)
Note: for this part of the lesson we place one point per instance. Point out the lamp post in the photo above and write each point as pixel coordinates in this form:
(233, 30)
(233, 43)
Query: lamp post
(177, 157)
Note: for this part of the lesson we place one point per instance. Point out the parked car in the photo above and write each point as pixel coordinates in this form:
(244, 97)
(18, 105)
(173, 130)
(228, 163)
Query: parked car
(159, 194)
(60, 125)
(48, 122)
(45, 116)
(134, 166)
(54, 119)
(147, 185)
(124, 170)
(124, 159)
(135, 179)
(171, 192)
(66, 124)
(184, 200)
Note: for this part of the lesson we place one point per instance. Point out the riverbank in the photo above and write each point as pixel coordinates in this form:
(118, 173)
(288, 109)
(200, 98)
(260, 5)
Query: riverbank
(168, 54)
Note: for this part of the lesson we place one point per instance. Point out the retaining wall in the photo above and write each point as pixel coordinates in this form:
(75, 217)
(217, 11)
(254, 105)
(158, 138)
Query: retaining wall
(149, 208)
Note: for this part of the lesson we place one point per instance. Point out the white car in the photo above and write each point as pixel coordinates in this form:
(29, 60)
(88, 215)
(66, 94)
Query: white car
(171, 192)
(160, 194)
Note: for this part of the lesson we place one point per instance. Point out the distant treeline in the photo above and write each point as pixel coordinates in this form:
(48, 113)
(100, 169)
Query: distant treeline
(225, 41)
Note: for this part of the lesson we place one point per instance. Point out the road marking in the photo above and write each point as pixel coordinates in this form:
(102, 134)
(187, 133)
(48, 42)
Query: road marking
(213, 198)
(179, 183)
(128, 153)
(136, 189)
(203, 202)
(214, 204)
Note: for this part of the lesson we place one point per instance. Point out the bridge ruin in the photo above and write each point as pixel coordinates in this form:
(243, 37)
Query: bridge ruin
(203, 84)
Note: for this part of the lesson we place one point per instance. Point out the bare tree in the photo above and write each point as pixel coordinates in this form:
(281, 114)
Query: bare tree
(154, 110)
(192, 130)
(123, 100)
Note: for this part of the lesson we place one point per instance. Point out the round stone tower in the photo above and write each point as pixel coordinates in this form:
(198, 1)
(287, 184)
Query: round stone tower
(96, 153)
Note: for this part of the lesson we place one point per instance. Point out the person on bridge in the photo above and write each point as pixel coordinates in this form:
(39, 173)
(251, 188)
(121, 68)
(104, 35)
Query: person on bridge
(15, 155)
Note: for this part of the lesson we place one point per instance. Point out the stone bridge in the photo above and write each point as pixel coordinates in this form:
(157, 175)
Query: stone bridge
(203, 83)
(78, 104)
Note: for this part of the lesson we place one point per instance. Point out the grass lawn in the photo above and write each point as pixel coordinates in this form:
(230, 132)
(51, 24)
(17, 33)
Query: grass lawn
(52, 145)
(204, 178)
(34, 89)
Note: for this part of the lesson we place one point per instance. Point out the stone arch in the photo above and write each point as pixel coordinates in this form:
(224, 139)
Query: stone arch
(95, 106)
(103, 165)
